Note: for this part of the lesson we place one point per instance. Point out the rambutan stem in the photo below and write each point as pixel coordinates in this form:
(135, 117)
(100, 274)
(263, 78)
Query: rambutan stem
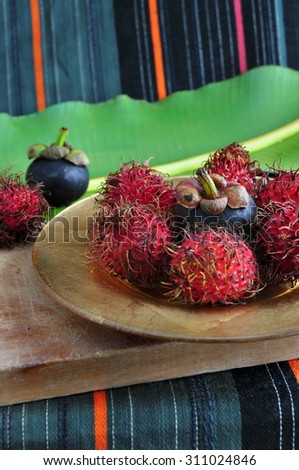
(63, 132)
(207, 183)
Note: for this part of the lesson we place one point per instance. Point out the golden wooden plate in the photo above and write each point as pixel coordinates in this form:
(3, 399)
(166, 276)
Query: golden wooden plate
(62, 266)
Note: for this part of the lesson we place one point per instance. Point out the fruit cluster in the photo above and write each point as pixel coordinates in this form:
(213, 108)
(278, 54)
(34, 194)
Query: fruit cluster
(220, 236)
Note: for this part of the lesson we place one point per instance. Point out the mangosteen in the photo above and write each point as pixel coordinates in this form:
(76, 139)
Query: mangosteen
(60, 169)
(209, 199)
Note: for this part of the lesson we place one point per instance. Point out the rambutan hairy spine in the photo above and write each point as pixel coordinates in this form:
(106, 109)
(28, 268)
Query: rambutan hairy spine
(23, 210)
(277, 243)
(130, 242)
(138, 183)
(210, 267)
(234, 164)
(278, 186)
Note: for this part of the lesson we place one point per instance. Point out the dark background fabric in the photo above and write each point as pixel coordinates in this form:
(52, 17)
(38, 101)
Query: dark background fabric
(250, 408)
(94, 50)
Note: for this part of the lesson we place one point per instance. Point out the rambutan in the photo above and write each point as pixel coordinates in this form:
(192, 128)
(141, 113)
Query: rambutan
(277, 243)
(279, 186)
(234, 164)
(22, 210)
(212, 267)
(130, 242)
(140, 184)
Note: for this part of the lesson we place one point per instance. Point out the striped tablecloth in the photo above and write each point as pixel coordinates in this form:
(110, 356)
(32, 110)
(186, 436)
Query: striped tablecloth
(92, 50)
(249, 408)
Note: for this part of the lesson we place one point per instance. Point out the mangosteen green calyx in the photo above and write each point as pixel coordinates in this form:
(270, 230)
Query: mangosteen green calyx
(60, 168)
(209, 199)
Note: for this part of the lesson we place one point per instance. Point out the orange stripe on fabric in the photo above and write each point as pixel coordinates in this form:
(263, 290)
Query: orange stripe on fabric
(157, 49)
(294, 365)
(100, 420)
(37, 55)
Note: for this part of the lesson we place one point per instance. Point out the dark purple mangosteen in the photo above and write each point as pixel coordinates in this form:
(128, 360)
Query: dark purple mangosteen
(60, 168)
(211, 200)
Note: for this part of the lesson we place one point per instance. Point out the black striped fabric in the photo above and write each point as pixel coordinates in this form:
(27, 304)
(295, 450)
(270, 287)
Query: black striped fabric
(251, 408)
(93, 50)
(269, 406)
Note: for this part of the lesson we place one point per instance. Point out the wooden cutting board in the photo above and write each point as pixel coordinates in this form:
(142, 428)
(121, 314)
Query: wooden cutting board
(46, 351)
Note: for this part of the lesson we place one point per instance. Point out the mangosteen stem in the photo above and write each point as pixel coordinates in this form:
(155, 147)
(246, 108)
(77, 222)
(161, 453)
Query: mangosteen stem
(207, 183)
(63, 132)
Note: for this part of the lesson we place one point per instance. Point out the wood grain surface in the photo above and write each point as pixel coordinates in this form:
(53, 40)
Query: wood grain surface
(46, 352)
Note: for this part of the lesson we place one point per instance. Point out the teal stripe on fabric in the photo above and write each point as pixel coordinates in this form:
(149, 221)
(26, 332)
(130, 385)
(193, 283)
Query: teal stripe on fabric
(84, 65)
(59, 423)
(216, 412)
(5, 76)
(118, 419)
(25, 58)
(108, 50)
(69, 422)
(14, 59)
(80, 422)
(150, 416)
(28, 428)
(103, 53)
(96, 72)
(17, 87)
(280, 33)
(226, 410)
(60, 40)
(81, 51)
(3, 428)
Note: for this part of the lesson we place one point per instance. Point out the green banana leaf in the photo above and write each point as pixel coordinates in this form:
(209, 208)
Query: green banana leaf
(259, 108)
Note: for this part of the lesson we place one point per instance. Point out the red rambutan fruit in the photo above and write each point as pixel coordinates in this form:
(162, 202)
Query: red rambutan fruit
(233, 163)
(277, 243)
(139, 183)
(283, 186)
(22, 210)
(131, 242)
(212, 267)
